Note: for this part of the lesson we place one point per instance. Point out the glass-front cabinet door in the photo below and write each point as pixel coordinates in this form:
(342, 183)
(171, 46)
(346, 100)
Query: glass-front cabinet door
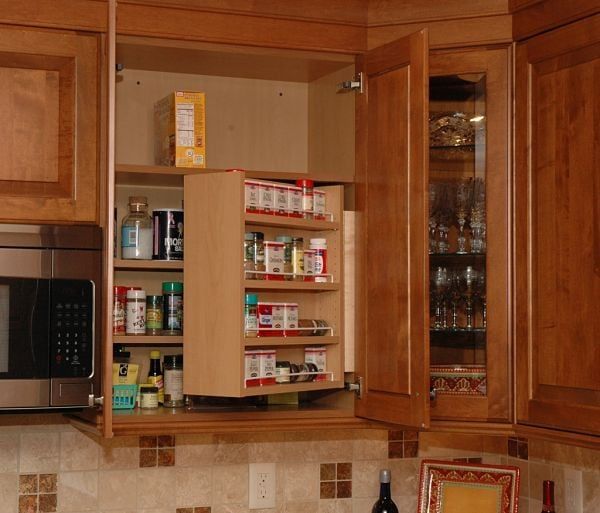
(468, 235)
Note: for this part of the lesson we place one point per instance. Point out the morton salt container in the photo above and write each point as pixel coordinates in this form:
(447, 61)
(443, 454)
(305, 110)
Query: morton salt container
(168, 234)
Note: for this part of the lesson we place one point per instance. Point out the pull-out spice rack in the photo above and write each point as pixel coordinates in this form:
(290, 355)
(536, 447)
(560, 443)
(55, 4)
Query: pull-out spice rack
(215, 284)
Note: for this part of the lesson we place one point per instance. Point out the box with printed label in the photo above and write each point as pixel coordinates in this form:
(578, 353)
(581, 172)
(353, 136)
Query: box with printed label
(180, 130)
(318, 356)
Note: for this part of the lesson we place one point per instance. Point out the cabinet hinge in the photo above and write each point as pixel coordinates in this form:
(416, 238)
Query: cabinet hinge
(357, 386)
(356, 84)
(95, 401)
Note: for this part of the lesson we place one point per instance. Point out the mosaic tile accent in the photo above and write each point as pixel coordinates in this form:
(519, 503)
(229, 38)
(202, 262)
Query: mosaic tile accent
(403, 444)
(518, 448)
(37, 493)
(200, 509)
(157, 451)
(335, 480)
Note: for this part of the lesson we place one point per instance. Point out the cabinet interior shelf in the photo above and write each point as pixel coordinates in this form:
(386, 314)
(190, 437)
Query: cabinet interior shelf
(439, 259)
(290, 341)
(166, 176)
(457, 330)
(291, 223)
(145, 340)
(290, 285)
(148, 265)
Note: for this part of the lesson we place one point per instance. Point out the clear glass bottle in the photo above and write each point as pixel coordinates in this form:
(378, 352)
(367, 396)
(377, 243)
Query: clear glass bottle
(136, 231)
(308, 204)
(173, 369)
(251, 315)
(259, 255)
(287, 255)
(249, 256)
(298, 258)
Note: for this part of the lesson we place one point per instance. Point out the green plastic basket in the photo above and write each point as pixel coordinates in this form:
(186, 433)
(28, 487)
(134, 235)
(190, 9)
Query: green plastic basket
(124, 397)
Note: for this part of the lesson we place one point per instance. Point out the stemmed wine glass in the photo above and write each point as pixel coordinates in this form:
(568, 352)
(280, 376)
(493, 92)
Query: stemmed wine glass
(444, 215)
(481, 293)
(440, 285)
(455, 296)
(432, 217)
(463, 199)
(468, 278)
(478, 227)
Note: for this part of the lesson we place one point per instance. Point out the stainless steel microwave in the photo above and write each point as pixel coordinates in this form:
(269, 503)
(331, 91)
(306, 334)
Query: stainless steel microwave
(50, 298)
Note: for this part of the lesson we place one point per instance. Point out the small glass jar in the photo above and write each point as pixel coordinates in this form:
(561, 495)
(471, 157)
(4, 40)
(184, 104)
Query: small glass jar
(136, 312)
(308, 203)
(173, 376)
(136, 231)
(251, 315)
(282, 372)
(172, 308)
(249, 256)
(287, 256)
(298, 258)
(119, 309)
(149, 398)
(154, 315)
(259, 255)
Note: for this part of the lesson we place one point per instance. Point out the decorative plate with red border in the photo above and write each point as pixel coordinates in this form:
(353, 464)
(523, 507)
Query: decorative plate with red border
(450, 487)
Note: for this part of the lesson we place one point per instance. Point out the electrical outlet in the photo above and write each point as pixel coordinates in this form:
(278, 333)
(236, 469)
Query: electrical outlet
(573, 491)
(261, 485)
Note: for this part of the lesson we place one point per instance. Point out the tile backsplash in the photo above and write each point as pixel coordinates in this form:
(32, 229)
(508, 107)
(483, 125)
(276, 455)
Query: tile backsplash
(56, 468)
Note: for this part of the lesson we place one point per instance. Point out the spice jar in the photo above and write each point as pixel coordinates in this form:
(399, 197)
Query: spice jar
(173, 376)
(148, 398)
(172, 308)
(136, 312)
(119, 307)
(287, 256)
(136, 231)
(282, 372)
(251, 316)
(320, 260)
(154, 315)
(307, 197)
(259, 255)
(298, 258)
(249, 256)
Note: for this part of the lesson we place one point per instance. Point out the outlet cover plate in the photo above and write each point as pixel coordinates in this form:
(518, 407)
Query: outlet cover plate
(262, 485)
(573, 493)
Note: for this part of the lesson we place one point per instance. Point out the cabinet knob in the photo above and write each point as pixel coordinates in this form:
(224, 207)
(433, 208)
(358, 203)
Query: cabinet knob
(433, 394)
(95, 401)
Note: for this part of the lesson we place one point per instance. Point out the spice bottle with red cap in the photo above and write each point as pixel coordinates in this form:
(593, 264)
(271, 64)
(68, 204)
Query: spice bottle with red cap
(307, 197)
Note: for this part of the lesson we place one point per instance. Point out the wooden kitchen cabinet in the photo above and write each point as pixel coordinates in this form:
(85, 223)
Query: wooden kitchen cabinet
(49, 125)
(557, 228)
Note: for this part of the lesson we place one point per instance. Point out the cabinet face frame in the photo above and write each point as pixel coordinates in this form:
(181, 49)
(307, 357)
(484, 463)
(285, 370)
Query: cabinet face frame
(495, 64)
(557, 224)
(392, 349)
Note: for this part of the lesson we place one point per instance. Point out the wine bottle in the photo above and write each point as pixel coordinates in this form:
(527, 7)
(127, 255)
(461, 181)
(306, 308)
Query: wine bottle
(548, 502)
(384, 504)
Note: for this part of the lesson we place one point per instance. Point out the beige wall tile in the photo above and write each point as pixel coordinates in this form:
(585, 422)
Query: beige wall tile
(155, 488)
(121, 452)
(538, 472)
(405, 476)
(194, 450)
(591, 491)
(370, 449)
(78, 451)
(9, 450)
(117, 490)
(446, 445)
(364, 505)
(335, 506)
(365, 478)
(405, 502)
(9, 484)
(523, 474)
(193, 487)
(301, 507)
(230, 450)
(39, 452)
(301, 481)
(237, 508)
(230, 484)
(78, 491)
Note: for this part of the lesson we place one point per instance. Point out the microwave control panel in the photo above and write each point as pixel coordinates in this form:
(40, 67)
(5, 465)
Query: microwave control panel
(72, 329)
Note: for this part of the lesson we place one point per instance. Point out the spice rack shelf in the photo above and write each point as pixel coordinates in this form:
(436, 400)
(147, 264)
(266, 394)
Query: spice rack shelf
(292, 387)
(145, 340)
(215, 288)
(290, 341)
(148, 265)
(251, 285)
(290, 223)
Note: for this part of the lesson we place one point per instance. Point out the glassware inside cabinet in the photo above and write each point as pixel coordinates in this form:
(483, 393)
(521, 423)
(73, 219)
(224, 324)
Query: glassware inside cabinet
(457, 234)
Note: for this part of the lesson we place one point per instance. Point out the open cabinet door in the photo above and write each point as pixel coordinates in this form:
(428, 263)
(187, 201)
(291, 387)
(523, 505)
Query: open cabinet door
(392, 177)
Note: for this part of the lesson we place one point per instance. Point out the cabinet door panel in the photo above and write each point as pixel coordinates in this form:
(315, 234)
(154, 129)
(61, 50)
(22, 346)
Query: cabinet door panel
(391, 180)
(48, 125)
(558, 227)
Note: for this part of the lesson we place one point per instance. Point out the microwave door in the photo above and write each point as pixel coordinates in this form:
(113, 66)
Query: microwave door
(24, 342)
